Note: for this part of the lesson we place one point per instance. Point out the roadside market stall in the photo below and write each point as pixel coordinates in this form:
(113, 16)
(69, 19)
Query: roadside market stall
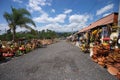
(104, 43)
(9, 49)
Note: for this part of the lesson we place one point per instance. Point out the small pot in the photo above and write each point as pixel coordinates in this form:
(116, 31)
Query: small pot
(112, 70)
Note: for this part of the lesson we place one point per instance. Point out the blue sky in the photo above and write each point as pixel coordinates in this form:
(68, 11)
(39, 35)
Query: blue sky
(60, 15)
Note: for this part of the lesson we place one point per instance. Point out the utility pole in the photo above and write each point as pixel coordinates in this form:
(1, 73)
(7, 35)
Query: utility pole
(118, 41)
(119, 15)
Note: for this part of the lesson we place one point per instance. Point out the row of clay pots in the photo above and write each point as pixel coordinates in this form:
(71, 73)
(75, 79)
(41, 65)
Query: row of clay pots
(46, 41)
(108, 59)
(16, 49)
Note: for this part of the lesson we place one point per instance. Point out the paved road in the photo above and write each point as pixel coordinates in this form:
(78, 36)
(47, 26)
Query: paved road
(60, 61)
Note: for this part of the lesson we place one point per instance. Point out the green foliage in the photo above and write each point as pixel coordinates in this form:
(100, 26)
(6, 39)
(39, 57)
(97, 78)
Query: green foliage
(7, 37)
(44, 34)
(19, 17)
(48, 34)
(64, 34)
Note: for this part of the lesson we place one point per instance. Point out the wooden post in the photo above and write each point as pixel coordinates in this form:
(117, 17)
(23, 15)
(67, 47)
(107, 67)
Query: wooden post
(119, 18)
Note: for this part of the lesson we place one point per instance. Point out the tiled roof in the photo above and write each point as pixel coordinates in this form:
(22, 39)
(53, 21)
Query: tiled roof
(112, 18)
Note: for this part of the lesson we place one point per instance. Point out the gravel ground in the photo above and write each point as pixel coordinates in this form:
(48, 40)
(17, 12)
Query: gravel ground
(59, 61)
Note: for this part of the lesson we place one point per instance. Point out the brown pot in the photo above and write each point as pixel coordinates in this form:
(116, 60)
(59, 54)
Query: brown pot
(101, 64)
(110, 60)
(94, 59)
(116, 49)
(118, 75)
(117, 65)
(109, 65)
(112, 70)
(99, 59)
(100, 51)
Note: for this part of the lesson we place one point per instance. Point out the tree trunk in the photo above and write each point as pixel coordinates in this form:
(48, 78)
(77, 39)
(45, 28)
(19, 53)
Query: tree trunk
(14, 33)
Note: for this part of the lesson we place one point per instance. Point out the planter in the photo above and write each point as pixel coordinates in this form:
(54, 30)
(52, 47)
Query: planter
(8, 55)
(101, 64)
(113, 70)
(118, 75)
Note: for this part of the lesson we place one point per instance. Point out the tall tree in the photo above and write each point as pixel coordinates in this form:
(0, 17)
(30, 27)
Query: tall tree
(18, 18)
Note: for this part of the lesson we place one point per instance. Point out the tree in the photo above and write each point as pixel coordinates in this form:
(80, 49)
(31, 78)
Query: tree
(48, 34)
(18, 18)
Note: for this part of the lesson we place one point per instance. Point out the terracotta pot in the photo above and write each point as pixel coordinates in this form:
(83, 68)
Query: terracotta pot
(101, 64)
(117, 50)
(117, 65)
(110, 60)
(100, 51)
(109, 65)
(4, 54)
(117, 59)
(118, 75)
(113, 70)
(95, 60)
(10, 54)
(99, 59)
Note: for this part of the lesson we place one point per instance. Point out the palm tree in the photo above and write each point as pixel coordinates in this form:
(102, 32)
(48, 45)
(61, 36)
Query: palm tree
(18, 18)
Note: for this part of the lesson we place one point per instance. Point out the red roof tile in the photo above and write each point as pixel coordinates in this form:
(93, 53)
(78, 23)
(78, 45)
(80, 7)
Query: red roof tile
(112, 18)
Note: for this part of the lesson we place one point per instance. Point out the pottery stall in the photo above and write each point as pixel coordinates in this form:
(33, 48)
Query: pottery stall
(104, 43)
(21, 47)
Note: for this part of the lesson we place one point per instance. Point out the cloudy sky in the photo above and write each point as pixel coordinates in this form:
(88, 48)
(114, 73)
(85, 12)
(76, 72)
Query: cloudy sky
(60, 15)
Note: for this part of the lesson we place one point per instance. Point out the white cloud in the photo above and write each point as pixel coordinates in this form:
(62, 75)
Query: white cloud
(54, 26)
(3, 28)
(53, 10)
(19, 29)
(76, 22)
(59, 18)
(72, 27)
(35, 5)
(105, 9)
(68, 11)
(44, 18)
(19, 1)
(106, 14)
(62, 28)
(41, 19)
(79, 18)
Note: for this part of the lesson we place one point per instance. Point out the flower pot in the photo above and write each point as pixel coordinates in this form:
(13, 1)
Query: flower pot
(118, 75)
(113, 70)
(101, 64)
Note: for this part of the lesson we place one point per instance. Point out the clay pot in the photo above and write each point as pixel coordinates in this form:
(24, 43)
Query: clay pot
(100, 59)
(110, 60)
(117, 50)
(117, 59)
(117, 65)
(4, 54)
(100, 51)
(113, 70)
(108, 65)
(7, 54)
(101, 64)
(94, 51)
(95, 60)
(10, 54)
(118, 75)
